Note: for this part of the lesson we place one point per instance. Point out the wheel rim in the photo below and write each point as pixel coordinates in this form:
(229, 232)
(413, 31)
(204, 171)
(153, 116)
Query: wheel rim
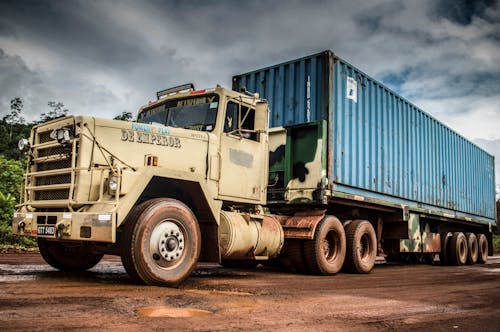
(167, 244)
(331, 246)
(365, 248)
(462, 250)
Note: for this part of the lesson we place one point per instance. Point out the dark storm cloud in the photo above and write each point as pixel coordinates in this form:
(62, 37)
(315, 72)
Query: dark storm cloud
(464, 11)
(73, 29)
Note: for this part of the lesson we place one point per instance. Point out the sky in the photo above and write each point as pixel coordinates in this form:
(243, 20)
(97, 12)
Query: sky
(106, 57)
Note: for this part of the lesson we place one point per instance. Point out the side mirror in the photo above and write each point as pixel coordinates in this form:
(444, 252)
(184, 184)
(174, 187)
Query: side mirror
(261, 116)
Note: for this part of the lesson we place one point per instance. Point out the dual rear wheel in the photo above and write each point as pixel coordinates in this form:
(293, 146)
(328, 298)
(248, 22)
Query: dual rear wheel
(334, 247)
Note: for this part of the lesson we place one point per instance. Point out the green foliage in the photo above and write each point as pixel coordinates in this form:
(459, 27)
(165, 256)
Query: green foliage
(11, 175)
(57, 111)
(496, 244)
(124, 116)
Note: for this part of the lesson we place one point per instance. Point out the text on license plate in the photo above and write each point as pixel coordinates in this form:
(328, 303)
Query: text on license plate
(46, 230)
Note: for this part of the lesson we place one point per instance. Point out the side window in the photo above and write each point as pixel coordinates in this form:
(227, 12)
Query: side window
(240, 120)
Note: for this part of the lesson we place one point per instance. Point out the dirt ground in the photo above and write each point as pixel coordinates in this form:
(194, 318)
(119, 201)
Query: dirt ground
(34, 297)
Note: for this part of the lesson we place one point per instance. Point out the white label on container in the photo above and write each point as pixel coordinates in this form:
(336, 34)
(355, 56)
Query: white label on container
(104, 217)
(29, 216)
(352, 89)
(67, 216)
(214, 105)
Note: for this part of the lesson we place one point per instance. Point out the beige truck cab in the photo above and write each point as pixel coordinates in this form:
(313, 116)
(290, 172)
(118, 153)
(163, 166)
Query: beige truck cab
(183, 183)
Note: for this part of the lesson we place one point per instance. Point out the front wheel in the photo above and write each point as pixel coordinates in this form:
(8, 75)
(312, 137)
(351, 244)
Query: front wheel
(163, 244)
(67, 257)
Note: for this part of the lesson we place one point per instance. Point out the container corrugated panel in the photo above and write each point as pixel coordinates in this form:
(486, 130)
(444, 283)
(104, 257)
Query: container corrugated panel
(297, 91)
(382, 144)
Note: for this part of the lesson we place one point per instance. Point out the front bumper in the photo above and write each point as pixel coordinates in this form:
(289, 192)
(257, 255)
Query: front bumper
(78, 226)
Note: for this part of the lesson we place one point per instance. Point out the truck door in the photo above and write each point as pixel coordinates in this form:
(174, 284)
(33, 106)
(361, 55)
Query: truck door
(243, 155)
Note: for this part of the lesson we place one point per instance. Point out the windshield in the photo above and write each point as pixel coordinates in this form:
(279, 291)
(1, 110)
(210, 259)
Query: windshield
(196, 113)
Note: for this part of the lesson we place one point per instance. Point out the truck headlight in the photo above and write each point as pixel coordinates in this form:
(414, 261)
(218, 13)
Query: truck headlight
(23, 144)
(113, 185)
(62, 135)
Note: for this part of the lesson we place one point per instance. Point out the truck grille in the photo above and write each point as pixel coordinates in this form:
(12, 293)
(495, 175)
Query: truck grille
(49, 178)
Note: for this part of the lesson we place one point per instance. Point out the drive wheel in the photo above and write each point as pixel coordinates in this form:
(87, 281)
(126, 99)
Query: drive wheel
(66, 257)
(472, 251)
(482, 249)
(361, 247)
(164, 243)
(458, 249)
(444, 255)
(325, 254)
(296, 254)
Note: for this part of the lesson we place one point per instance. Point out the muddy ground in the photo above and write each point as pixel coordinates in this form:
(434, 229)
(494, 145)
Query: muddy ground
(34, 296)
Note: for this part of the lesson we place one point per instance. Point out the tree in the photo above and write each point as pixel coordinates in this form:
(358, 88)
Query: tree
(124, 116)
(57, 111)
(14, 117)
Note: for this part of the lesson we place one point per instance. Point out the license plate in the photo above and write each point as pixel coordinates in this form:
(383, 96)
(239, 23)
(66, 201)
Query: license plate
(46, 230)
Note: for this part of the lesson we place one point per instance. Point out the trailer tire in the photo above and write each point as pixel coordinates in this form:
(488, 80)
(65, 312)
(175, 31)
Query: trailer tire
(361, 247)
(472, 249)
(458, 249)
(325, 254)
(444, 255)
(482, 245)
(68, 257)
(164, 244)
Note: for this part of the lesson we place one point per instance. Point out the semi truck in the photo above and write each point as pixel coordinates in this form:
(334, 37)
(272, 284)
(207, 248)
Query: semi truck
(310, 164)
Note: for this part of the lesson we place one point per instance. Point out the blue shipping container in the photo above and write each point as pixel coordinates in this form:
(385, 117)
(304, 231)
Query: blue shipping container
(379, 144)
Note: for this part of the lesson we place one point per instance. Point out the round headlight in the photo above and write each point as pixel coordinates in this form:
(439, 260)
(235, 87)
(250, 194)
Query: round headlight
(113, 185)
(23, 144)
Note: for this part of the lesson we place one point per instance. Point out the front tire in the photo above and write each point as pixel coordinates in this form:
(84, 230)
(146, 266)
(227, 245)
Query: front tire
(325, 254)
(163, 244)
(361, 247)
(66, 257)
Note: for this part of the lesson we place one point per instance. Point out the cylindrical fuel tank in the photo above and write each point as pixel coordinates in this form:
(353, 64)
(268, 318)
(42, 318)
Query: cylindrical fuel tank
(246, 236)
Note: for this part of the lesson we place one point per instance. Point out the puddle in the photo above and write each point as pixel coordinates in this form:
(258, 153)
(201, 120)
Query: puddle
(163, 311)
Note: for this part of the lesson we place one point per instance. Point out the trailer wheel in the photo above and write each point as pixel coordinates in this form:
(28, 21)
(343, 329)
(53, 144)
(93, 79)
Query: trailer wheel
(295, 252)
(444, 255)
(66, 257)
(361, 247)
(472, 251)
(325, 254)
(482, 249)
(164, 244)
(458, 249)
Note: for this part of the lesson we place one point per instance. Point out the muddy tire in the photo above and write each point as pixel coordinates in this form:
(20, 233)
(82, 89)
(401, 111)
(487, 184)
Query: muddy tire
(163, 244)
(325, 254)
(458, 249)
(444, 255)
(67, 257)
(472, 249)
(482, 246)
(125, 239)
(361, 247)
(295, 252)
